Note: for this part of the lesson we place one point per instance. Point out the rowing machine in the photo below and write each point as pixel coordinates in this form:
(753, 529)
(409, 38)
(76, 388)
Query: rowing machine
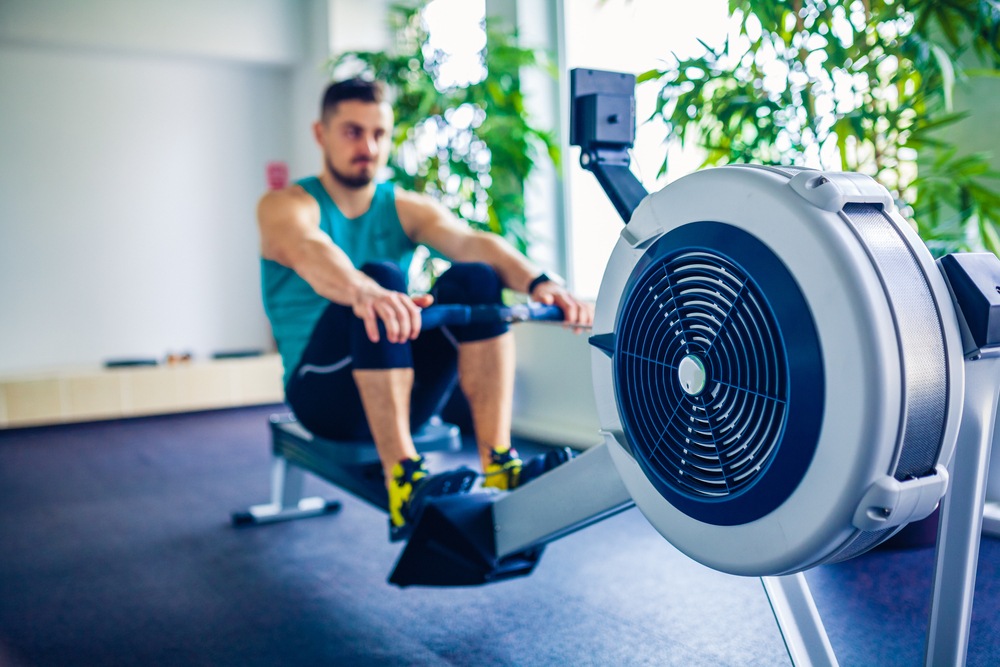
(785, 378)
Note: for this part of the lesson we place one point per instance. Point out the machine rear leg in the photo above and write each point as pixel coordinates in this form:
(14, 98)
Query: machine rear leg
(991, 519)
(287, 502)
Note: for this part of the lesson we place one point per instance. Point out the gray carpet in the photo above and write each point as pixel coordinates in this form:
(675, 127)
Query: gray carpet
(115, 549)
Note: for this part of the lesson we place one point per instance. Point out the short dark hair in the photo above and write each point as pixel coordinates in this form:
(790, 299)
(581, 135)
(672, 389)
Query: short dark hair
(357, 88)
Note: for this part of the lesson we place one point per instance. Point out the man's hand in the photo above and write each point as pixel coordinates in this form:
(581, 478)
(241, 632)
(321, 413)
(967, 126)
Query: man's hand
(399, 313)
(576, 314)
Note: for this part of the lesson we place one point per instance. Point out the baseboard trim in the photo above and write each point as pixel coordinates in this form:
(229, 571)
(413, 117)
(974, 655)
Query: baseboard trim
(63, 396)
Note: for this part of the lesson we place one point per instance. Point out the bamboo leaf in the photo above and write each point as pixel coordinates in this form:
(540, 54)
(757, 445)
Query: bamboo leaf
(947, 69)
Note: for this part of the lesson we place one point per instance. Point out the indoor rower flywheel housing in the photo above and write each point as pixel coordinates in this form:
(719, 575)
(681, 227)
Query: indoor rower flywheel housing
(777, 366)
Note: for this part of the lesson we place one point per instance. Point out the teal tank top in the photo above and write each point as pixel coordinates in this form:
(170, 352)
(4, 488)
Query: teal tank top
(291, 305)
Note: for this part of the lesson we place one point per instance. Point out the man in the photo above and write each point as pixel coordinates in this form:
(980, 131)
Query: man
(336, 249)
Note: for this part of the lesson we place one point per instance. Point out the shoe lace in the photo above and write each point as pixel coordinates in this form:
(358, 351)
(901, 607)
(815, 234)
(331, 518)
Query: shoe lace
(506, 458)
(411, 470)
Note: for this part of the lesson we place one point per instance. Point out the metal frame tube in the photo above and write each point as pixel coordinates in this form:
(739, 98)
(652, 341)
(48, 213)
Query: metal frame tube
(799, 621)
(961, 520)
(286, 483)
(580, 492)
(991, 519)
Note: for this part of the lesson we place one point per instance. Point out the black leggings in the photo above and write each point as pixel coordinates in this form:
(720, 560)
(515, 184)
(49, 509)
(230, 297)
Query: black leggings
(321, 391)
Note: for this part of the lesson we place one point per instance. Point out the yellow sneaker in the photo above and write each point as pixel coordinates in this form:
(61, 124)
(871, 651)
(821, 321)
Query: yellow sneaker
(405, 476)
(507, 471)
(504, 469)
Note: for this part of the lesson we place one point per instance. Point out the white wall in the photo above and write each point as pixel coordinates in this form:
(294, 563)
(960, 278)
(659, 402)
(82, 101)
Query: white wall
(132, 153)
(260, 31)
(553, 393)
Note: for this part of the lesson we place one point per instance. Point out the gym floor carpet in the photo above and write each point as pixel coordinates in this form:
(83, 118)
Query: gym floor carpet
(115, 549)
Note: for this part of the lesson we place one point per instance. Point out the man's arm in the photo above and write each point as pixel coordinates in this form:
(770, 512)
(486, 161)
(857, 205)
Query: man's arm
(290, 235)
(427, 222)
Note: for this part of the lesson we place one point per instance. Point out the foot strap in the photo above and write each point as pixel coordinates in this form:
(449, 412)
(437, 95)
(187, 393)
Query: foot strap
(537, 466)
(432, 486)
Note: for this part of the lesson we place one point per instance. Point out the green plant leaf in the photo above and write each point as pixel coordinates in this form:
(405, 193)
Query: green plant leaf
(478, 170)
(877, 92)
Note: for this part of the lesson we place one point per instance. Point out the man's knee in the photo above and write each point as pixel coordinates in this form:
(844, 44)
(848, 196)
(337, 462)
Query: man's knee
(472, 283)
(382, 355)
(386, 274)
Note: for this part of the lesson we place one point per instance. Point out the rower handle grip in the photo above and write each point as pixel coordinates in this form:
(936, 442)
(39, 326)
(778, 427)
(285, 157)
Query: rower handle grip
(455, 314)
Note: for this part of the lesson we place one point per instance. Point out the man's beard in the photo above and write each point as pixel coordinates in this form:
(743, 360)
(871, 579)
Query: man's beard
(353, 182)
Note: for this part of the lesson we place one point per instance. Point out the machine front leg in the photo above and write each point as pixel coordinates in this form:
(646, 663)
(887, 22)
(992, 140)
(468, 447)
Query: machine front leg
(799, 621)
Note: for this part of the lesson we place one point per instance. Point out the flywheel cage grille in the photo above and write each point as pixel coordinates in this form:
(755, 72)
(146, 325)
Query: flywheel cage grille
(716, 442)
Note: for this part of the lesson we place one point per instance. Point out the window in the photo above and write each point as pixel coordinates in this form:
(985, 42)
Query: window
(456, 30)
(628, 36)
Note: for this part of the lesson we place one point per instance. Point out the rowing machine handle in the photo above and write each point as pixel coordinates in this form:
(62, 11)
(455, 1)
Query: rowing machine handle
(453, 314)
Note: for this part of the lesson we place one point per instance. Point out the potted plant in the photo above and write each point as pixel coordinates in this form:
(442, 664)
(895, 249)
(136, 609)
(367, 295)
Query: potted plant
(860, 85)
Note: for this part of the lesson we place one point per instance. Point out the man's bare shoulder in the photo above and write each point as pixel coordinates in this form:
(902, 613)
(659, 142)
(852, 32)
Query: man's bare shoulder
(428, 221)
(293, 195)
(409, 199)
(291, 201)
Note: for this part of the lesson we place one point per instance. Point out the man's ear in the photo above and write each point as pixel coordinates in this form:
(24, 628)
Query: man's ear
(319, 131)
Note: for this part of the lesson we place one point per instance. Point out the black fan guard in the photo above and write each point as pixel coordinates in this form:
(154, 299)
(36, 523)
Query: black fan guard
(718, 373)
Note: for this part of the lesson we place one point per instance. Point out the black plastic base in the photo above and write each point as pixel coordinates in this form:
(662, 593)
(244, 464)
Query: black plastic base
(452, 545)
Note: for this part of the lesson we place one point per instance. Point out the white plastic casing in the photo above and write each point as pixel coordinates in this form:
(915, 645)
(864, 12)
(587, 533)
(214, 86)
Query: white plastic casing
(797, 214)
